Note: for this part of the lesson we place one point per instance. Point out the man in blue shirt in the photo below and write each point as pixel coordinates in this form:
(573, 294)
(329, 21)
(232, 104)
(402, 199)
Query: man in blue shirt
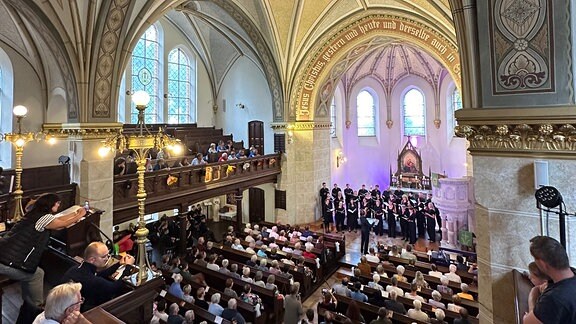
(357, 294)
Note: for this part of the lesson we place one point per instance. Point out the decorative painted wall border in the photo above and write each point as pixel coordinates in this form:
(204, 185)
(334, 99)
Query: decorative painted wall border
(353, 40)
(299, 126)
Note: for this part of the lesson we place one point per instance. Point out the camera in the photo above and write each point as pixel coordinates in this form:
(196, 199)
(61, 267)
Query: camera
(324, 291)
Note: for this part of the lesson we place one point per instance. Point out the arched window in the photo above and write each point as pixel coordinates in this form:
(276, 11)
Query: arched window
(414, 111)
(456, 103)
(333, 118)
(179, 88)
(146, 74)
(366, 114)
(6, 104)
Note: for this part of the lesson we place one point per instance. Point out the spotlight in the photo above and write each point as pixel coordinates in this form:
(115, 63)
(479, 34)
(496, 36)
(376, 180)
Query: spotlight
(548, 196)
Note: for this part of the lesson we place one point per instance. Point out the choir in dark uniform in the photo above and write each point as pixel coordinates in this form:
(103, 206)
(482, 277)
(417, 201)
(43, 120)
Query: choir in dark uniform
(417, 215)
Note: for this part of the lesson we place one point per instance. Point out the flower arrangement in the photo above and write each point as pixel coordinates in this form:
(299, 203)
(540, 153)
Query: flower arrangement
(171, 180)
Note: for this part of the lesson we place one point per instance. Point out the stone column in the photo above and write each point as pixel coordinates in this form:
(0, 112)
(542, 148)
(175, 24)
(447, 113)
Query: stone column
(306, 166)
(238, 196)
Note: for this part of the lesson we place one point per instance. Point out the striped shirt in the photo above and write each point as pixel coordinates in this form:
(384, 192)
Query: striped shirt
(43, 222)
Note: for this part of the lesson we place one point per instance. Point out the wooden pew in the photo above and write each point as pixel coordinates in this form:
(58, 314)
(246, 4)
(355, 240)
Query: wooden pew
(369, 311)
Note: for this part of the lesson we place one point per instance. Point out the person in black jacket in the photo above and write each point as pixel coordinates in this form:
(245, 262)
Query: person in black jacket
(24, 244)
(365, 227)
(96, 287)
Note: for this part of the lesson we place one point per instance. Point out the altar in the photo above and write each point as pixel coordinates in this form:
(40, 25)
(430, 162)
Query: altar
(409, 176)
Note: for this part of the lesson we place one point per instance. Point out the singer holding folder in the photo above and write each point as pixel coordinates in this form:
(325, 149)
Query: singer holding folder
(23, 245)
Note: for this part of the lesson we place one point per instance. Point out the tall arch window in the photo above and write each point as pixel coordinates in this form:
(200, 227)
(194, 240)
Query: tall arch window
(146, 74)
(414, 111)
(6, 104)
(366, 114)
(179, 87)
(455, 102)
(333, 118)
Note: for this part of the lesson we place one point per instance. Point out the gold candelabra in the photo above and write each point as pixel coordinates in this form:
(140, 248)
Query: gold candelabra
(141, 143)
(19, 140)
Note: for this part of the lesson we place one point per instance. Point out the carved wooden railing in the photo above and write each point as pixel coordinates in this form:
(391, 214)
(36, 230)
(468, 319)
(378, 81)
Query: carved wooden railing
(179, 187)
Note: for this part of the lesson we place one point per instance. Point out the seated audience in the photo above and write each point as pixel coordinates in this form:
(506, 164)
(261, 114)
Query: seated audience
(439, 316)
(357, 294)
(394, 287)
(394, 305)
(364, 266)
(452, 276)
(214, 308)
(407, 254)
(540, 282)
(465, 294)
(371, 256)
(394, 251)
(436, 300)
(400, 274)
(375, 282)
(228, 291)
(353, 313)
(413, 294)
(160, 315)
(443, 286)
(189, 317)
(417, 313)
(176, 288)
(63, 305)
(200, 301)
(246, 275)
(270, 282)
(463, 319)
(234, 271)
(342, 288)
(455, 304)
(419, 280)
(96, 287)
(173, 316)
(383, 317)
(187, 290)
(232, 314)
(434, 271)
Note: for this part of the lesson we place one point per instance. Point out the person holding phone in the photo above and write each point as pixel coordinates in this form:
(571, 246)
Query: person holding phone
(25, 243)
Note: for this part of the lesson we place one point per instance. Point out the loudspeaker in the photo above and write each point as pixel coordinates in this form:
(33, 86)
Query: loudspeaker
(541, 177)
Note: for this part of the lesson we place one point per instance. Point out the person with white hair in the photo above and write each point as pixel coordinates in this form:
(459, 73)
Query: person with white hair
(440, 315)
(297, 249)
(255, 229)
(436, 300)
(224, 267)
(374, 283)
(173, 316)
(186, 296)
(309, 242)
(63, 305)
(251, 247)
(246, 275)
(417, 313)
(214, 307)
(465, 294)
(452, 276)
(175, 288)
(237, 245)
(231, 313)
(263, 264)
(273, 232)
(189, 317)
(248, 229)
(400, 274)
(443, 286)
(253, 262)
(249, 238)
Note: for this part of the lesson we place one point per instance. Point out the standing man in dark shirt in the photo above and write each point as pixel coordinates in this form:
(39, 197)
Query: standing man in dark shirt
(335, 191)
(324, 192)
(557, 303)
(365, 232)
(362, 192)
(96, 287)
(348, 193)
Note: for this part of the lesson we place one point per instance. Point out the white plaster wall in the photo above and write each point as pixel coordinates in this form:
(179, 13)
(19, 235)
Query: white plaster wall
(245, 84)
(369, 159)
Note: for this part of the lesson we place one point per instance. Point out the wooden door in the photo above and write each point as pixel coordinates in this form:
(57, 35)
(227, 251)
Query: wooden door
(256, 201)
(256, 135)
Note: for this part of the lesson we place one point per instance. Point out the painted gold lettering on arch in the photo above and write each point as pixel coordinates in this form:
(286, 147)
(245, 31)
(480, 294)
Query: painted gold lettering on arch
(388, 25)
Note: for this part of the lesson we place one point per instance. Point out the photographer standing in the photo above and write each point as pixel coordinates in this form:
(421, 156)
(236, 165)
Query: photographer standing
(293, 305)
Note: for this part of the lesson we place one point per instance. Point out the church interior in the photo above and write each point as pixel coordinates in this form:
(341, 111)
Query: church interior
(470, 103)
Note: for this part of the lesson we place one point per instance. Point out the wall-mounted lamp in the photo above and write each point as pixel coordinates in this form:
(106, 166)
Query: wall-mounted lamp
(240, 105)
(290, 134)
(340, 159)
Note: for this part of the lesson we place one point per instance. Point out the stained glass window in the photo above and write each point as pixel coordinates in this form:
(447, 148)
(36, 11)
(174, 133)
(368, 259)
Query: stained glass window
(414, 111)
(179, 88)
(146, 74)
(333, 118)
(366, 114)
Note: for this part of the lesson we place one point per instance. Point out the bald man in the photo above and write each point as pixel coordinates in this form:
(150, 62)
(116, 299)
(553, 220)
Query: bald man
(97, 288)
